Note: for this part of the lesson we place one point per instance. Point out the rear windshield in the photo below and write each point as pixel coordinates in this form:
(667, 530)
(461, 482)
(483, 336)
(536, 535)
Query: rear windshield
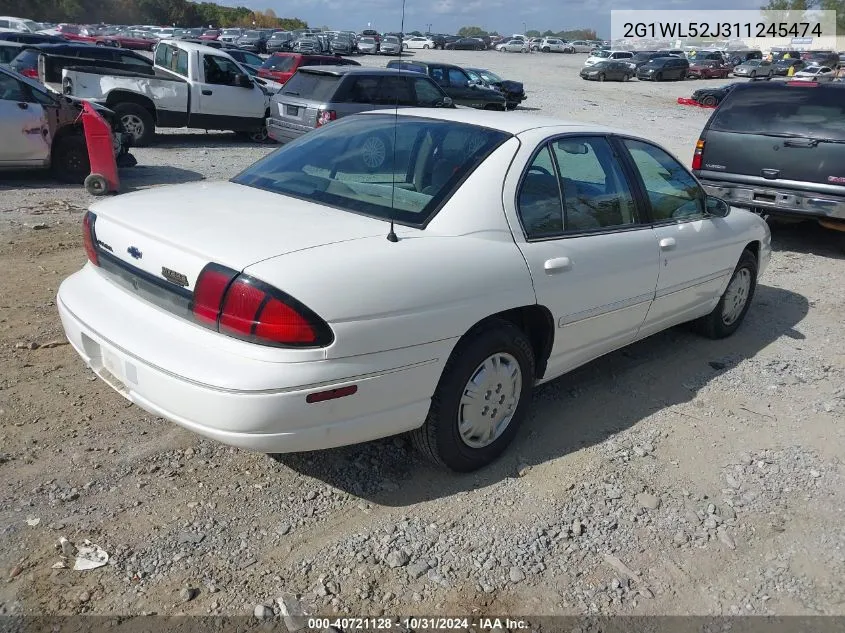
(784, 111)
(26, 59)
(603, 54)
(281, 63)
(382, 166)
(314, 86)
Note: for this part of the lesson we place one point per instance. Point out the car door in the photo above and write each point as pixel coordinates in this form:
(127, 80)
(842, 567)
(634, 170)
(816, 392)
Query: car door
(24, 127)
(592, 259)
(697, 251)
(616, 71)
(221, 96)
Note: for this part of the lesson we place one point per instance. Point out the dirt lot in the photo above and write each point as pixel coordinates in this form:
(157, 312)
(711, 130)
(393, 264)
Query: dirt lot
(679, 476)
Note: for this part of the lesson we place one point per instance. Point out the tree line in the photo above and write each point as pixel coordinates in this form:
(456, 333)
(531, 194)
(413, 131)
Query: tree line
(574, 34)
(795, 9)
(154, 12)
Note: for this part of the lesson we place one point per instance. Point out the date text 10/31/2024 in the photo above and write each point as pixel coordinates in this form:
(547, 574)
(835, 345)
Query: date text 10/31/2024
(416, 623)
(721, 30)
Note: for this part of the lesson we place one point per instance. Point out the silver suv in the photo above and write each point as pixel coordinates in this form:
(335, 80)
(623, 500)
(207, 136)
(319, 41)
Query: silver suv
(317, 95)
(556, 45)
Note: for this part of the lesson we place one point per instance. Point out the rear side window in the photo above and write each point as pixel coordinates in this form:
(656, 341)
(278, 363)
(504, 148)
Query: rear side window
(791, 111)
(280, 63)
(312, 86)
(26, 59)
(395, 91)
(428, 94)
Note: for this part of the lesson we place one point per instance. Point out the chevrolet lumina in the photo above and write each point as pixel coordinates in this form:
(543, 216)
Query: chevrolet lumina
(349, 300)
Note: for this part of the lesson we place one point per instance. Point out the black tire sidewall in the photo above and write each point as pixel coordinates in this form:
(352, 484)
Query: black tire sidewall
(64, 149)
(451, 449)
(716, 325)
(709, 100)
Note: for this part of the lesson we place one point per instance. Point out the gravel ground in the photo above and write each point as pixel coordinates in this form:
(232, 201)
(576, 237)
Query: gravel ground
(679, 476)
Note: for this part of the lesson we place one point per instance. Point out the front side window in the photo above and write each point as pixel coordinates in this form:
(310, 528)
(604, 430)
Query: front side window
(596, 194)
(672, 192)
(354, 166)
(11, 89)
(458, 78)
(219, 70)
(427, 93)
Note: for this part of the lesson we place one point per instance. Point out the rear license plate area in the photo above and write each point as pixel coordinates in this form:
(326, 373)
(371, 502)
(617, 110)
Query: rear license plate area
(765, 197)
(292, 110)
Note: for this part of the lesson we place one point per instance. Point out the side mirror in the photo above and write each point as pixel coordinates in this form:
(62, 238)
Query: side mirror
(716, 207)
(445, 102)
(243, 81)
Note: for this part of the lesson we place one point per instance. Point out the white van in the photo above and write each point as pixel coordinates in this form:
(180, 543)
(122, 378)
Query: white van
(605, 55)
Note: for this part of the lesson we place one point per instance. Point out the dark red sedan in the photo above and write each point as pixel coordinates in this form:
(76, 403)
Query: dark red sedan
(133, 40)
(709, 69)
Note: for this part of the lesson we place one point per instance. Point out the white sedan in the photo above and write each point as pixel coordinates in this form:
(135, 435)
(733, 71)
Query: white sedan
(418, 42)
(815, 73)
(514, 46)
(364, 289)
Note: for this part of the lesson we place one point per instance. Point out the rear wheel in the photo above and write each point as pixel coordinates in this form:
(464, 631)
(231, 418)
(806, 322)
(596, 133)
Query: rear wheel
(729, 313)
(481, 399)
(69, 161)
(425, 46)
(709, 100)
(136, 121)
(546, 49)
(658, 77)
(602, 77)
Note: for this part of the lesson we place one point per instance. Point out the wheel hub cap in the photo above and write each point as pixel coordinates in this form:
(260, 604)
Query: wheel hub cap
(489, 400)
(132, 125)
(736, 296)
(373, 152)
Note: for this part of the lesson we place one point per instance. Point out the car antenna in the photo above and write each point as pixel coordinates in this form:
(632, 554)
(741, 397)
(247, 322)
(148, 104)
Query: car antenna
(391, 235)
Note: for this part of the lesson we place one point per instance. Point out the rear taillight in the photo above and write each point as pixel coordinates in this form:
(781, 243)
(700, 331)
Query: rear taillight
(88, 239)
(243, 307)
(32, 73)
(325, 116)
(698, 154)
(803, 84)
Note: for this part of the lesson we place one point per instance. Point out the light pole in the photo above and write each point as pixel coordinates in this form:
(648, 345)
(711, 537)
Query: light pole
(524, 28)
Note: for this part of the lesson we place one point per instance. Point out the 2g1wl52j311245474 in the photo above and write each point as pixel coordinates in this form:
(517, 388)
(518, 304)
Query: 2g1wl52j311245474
(721, 30)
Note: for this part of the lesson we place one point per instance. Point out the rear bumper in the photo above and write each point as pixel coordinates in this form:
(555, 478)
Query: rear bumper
(779, 201)
(283, 131)
(197, 380)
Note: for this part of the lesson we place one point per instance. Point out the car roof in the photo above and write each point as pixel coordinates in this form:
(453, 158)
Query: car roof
(510, 122)
(356, 70)
(422, 63)
(192, 46)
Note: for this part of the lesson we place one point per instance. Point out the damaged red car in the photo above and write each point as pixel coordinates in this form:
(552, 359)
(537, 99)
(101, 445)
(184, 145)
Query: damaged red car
(43, 130)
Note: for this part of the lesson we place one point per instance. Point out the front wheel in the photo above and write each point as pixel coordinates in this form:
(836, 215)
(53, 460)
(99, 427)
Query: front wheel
(69, 160)
(709, 100)
(482, 397)
(602, 77)
(425, 46)
(658, 77)
(546, 49)
(754, 74)
(729, 313)
(136, 121)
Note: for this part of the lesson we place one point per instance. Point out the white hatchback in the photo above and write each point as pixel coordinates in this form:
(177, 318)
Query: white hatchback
(418, 43)
(425, 289)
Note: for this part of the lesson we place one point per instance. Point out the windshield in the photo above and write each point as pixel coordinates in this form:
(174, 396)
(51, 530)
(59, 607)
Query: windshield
(392, 40)
(315, 86)
(32, 26)
(231, 31)
(252, 34)
(603, 54)
(488, 76)
(418, 167)
(367, 40)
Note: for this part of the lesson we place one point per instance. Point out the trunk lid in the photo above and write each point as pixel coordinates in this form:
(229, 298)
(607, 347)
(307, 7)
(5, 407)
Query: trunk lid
(171, 233)
(779, 133)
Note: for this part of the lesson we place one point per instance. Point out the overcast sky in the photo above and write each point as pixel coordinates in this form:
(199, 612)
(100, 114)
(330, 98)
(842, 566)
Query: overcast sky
(446, 16)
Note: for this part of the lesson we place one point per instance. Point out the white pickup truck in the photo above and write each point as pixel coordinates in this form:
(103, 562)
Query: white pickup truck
(190, 85)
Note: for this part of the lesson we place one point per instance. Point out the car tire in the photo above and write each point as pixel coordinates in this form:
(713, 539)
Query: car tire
(729, 313)
(683, 75)
(425, 46)
(440, 439)
(709, 100)
(546, 49)
(658, 77)
(602, 77)
(626, 77)
(753, 74)
(69, 159)
(136, 120)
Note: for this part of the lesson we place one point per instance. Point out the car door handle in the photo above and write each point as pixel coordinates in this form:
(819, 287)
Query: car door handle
(556, 265)
(667, 243)
(23, 106)
(206, 92)
(771, 174)
(803, 142)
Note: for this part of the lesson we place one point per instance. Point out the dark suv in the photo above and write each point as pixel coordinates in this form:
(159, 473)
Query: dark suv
(315, 96)
(664, 68)
(778, 148)
(456, 83)
(59, 56)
